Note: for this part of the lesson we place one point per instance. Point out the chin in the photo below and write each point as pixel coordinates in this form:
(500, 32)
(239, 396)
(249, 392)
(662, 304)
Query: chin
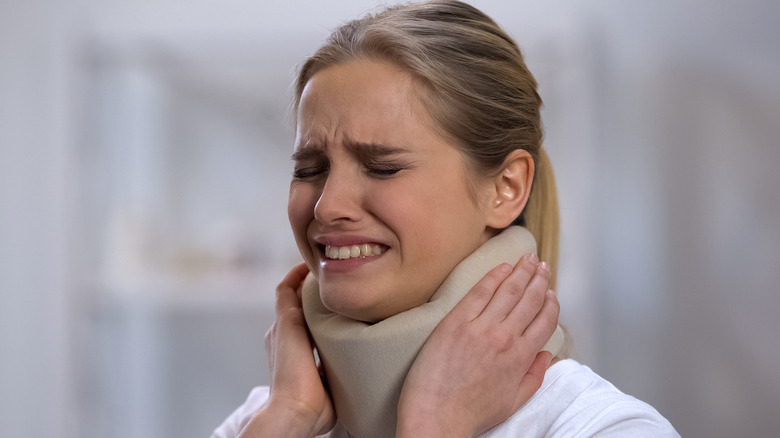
(347, 305)
(344, 303)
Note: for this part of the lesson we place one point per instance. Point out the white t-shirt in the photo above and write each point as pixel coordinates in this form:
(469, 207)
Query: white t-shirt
(572, 402)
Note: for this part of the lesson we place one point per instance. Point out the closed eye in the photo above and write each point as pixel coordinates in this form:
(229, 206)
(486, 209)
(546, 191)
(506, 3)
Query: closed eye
(383, 171)
(309, 162)
(309, 172)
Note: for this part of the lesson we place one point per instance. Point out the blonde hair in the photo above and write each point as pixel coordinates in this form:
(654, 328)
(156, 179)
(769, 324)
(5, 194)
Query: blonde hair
(475, 86)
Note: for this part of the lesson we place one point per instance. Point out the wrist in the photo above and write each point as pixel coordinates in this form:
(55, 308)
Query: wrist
(431, 425)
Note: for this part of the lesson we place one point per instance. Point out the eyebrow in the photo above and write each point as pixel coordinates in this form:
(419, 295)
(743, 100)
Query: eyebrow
(307, 153)
(373, 151)
(361, 150)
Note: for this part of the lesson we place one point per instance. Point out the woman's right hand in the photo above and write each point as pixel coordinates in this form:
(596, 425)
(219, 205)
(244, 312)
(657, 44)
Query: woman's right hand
(298, 405)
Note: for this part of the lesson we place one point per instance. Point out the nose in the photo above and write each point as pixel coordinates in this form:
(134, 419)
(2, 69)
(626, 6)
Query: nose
(340, 199)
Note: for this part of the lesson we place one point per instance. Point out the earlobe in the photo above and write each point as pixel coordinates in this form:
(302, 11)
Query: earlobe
(511, 189)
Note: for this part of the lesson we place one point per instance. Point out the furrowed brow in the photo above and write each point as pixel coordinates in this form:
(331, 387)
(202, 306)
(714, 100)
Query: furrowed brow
(307, 153)
(373, 150)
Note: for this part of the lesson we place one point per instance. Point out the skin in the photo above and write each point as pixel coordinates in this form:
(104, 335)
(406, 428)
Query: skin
(496, 330)
(369, 169)
(415, 203)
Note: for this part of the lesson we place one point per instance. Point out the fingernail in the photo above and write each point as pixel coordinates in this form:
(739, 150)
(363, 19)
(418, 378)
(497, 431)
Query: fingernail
(551, 292)
(533, 258)
(545, 267)
(505, 268)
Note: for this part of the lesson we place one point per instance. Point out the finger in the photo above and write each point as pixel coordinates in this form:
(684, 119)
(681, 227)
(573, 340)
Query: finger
(295, 277)
(512, 289)
(532, 300)
(290, 324)
(475, 300)
(269, 347)
(544, 324)
(534, 378)
(286, 292)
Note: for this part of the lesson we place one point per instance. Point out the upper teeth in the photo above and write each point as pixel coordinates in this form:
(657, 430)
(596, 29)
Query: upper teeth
(346, 252)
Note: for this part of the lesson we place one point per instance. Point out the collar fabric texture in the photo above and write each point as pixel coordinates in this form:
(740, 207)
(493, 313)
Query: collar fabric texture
(366, 364)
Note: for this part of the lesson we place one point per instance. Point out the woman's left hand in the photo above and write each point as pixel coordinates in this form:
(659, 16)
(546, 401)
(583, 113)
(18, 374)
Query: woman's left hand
(483, 361)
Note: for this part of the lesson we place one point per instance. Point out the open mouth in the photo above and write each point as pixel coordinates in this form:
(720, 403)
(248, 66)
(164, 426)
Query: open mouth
(353, 251)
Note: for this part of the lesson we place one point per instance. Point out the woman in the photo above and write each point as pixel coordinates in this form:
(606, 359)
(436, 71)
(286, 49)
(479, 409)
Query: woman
(418, 143)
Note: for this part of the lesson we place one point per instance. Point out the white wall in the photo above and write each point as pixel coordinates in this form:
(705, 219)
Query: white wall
(34, 178)
(663, 128)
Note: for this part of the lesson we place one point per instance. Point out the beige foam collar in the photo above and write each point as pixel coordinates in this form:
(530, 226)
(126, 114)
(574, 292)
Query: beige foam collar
(366, 364)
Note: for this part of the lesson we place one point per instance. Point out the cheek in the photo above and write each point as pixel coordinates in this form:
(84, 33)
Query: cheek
(446, 205)
(445, 221)
(422, 219)
(401, 207)
(300, 211)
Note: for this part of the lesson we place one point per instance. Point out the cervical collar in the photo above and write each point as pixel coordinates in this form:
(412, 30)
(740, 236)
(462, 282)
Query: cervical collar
(366, 364)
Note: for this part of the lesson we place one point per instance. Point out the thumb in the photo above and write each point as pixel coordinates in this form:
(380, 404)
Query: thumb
(534, 377)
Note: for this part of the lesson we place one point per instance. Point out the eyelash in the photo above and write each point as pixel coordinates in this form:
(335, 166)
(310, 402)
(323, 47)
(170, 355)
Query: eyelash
(384, 171)
(308, 172)
(380, 171)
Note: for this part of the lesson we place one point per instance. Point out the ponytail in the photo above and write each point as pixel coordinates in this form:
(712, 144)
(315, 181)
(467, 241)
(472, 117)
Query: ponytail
(542, 217)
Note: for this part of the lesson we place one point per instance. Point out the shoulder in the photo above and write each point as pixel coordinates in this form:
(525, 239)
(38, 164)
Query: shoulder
(576, 402)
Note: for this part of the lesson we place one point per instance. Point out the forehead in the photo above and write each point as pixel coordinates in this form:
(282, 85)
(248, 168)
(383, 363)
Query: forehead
(367, 101)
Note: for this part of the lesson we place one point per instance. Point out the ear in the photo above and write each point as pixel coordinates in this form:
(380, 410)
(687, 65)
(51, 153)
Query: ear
(510, 189)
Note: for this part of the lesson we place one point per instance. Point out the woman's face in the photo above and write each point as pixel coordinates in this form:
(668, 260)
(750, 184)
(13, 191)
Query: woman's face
(379, 203)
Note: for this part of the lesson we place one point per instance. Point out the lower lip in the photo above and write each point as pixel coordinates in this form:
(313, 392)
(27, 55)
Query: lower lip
(346, 265)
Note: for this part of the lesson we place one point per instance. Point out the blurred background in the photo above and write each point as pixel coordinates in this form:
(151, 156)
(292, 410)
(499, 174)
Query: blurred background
(144, 162)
